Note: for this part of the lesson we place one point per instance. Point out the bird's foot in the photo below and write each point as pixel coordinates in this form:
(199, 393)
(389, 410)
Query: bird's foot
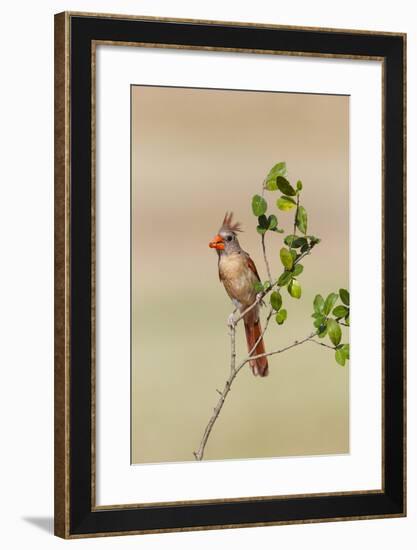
(231, 320)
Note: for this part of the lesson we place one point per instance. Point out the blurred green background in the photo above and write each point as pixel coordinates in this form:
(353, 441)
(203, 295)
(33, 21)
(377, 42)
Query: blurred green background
(196, 154)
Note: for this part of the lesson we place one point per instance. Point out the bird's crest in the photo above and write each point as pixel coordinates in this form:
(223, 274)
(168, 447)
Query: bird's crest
(228, 225)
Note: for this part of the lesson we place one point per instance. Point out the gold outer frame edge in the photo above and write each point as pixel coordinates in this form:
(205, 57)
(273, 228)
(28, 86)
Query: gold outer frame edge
(61, 275)
(230, 23)
(233, 526)
(404, 37)
(62, 258)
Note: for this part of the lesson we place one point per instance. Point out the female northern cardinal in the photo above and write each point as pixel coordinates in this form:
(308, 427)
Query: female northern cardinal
(238, 274)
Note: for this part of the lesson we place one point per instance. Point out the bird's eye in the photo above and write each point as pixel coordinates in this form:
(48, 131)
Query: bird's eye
(229, 238)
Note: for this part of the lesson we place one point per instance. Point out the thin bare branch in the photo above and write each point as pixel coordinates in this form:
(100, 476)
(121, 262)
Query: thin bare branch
(268, 318)
(232, 347)
(216, 411)
(303, 255)
(228, 385)
(295, 215)
(323, 344)
(275, 352)
(266, 258)
(271, 311)
(258, 300)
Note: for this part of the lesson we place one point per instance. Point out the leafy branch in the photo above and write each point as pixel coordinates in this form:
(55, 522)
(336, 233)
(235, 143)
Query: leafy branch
(328, 316)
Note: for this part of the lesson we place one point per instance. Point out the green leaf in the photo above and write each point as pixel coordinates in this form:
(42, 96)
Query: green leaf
(318, 304)
(286, 258)
(340, 357)
(297, 243)
(276, 300)
(293, 254)
(340, 311)
(261, 230)
(320, 321)
(272, 222)
(285, 278)
(301, 220)
(279, 169)
(263, 221)
(298, 269)
(347, 320)
(304, 248)
(286, 203)
(294, 288)
(267, 285)
(285, 186)
(322, 331)
(281, 316)
(344, 296)
(258, 286)
(330, 302)
(299, 185)
(342, 354)
(334, 331)
(259, 205)
(289, 239)
(314, 240)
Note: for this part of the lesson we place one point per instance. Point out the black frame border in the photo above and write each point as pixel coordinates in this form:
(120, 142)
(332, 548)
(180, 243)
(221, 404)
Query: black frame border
(76, 516)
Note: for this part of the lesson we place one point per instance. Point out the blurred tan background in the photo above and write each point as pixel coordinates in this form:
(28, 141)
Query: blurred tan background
(197, 153)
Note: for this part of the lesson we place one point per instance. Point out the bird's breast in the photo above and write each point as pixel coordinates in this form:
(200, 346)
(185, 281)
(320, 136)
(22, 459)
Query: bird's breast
(237, 278)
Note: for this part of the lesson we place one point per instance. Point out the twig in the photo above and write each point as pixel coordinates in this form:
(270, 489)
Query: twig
(323, 344)
(227, 387)
(303, 255)
(296, 343)
(295, 216)
(232, 347)
(200, 453)
(258, 300)
(271, 311)
(266, 259)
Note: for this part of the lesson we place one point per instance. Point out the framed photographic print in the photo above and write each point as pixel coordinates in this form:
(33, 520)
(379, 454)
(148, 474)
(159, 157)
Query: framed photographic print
(229, 275)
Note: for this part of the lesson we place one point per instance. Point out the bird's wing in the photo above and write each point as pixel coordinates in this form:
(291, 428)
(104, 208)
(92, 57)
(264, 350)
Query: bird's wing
(252, 266)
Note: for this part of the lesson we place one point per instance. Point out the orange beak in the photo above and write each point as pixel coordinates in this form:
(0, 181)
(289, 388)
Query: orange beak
(217, 243)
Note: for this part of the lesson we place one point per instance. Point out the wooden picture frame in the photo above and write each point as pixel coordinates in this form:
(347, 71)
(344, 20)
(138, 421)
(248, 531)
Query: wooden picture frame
(76, 513)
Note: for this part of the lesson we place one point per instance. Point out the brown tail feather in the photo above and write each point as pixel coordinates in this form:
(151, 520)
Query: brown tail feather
(253, 331)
